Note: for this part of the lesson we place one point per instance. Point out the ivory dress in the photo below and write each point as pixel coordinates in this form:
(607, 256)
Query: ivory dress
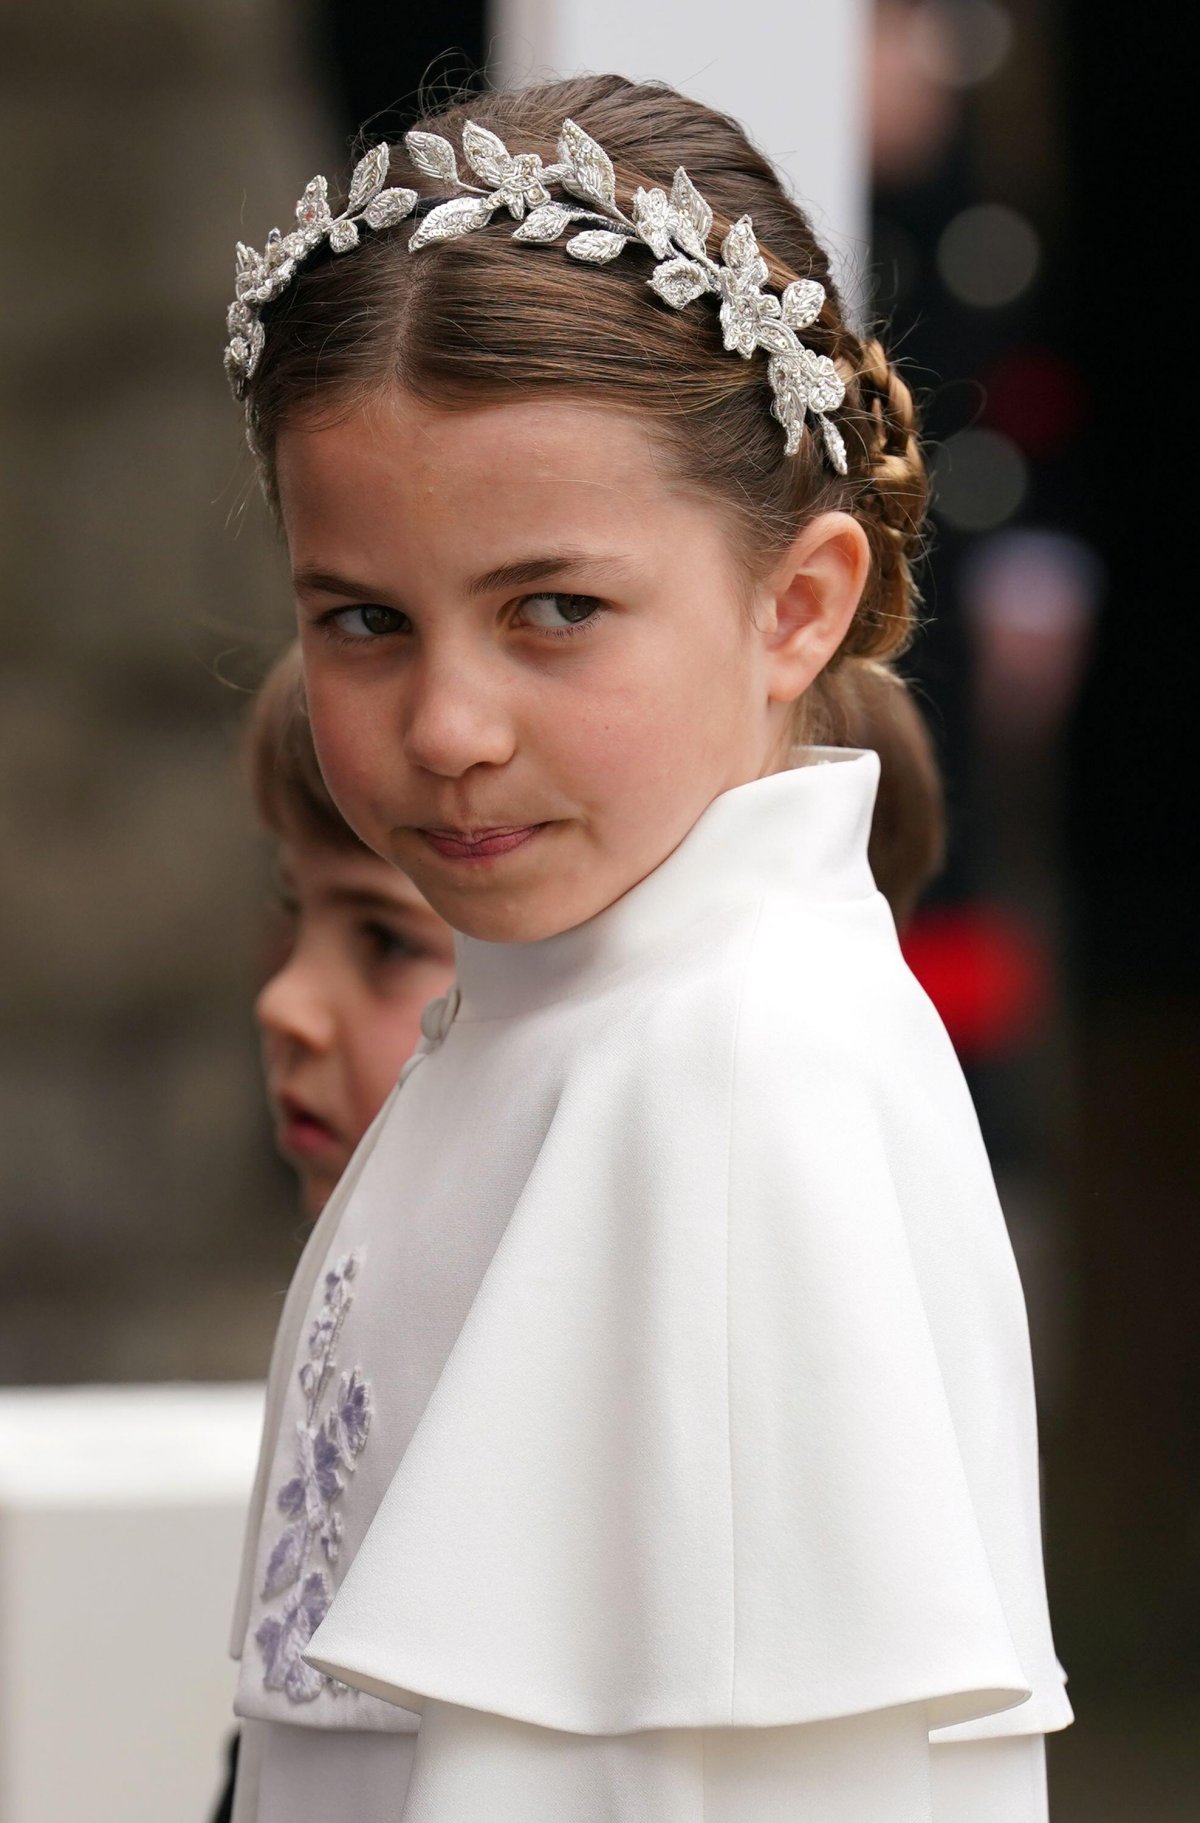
(650, 1432)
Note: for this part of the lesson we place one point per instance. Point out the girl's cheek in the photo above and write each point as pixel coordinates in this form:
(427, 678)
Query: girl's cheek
(349, 776)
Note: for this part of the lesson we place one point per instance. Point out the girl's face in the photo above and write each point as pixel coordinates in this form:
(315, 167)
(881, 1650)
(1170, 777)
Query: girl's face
(528, 662)
(341, 1015)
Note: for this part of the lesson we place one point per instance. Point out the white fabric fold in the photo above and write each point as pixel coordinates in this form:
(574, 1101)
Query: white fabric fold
(473, 1768)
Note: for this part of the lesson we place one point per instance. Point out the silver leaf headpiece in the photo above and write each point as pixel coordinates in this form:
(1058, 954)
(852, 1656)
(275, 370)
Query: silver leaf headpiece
(674, 227)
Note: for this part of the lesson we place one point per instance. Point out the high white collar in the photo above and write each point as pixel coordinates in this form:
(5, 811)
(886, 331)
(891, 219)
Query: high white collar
(803, 831)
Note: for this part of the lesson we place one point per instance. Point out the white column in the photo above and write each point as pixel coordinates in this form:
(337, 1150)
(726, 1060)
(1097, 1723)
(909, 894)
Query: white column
(792, 71)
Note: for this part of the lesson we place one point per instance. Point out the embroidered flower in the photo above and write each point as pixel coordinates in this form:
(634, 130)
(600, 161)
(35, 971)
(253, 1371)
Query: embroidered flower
(282, 1640)
(327, 1448)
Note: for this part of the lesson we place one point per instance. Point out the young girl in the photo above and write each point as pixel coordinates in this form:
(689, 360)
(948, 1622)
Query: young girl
(650, 1431)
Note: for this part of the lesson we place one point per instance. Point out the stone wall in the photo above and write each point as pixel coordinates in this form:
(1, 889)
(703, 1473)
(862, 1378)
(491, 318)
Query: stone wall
(145, 1227)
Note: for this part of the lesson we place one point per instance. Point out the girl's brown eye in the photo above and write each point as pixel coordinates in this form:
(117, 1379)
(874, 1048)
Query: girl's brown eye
(555, 613)
(367, 622)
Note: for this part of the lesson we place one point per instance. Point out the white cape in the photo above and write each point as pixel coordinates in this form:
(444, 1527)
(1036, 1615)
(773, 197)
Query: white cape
(739, 1427)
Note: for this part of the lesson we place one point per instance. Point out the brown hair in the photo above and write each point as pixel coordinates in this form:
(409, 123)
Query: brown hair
(487, 318)
(291, 797)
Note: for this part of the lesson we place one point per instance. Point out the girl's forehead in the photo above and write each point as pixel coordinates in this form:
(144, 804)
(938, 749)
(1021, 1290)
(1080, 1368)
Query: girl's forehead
(401, 494)
(544, 452)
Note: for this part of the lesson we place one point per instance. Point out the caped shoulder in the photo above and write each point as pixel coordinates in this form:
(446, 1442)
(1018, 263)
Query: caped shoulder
(799, 980)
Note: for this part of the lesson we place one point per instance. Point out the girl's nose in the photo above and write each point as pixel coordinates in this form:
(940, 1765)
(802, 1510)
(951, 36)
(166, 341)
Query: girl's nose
(290, 1008)
(458, 717)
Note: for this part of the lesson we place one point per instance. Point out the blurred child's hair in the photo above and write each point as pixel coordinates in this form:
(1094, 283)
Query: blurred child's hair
(487, 319)
(290, 795)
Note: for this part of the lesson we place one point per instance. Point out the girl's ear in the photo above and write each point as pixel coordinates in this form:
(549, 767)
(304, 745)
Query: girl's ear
(809, 599)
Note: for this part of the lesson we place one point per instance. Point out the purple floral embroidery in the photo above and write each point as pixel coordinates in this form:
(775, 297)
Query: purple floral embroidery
(327, 1449)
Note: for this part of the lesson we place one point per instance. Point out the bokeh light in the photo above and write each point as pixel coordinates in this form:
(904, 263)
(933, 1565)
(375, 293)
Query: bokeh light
(988, 255)
(980, 479)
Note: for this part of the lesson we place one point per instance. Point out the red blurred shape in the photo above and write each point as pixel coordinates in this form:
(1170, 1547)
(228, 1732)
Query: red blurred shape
(1037, 398)
(986, 971)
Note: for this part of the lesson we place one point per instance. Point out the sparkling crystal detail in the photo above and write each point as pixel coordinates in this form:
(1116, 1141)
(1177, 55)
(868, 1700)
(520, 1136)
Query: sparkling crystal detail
(675, 227)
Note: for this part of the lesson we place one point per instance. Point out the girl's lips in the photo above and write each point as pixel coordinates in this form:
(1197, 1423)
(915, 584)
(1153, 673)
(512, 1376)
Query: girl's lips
(304, 1134)
(493, 842)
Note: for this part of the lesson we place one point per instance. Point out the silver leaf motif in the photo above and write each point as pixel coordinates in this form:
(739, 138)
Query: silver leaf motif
(691, 207)
(597, 246)
(825, 388)
(312, 211)
(433, 155)
(675, 227)
(389, 207)
(343, 235)
(589, 171)
(773, 337)
(740, 252)
(449, 220)
(835, 444)
(657, 221)
(368, 179)
(258, 336)
(790, 401)
(545, 223)
(678, 281)
(487, 155)
(802, 303)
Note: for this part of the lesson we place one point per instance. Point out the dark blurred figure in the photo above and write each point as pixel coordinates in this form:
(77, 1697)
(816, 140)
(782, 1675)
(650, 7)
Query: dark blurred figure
(1128, 1489)
(1030, 227)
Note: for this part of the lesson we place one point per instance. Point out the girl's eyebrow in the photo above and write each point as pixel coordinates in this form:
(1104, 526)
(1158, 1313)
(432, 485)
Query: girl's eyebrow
(521, 574)
(326, 582)
(528, 570)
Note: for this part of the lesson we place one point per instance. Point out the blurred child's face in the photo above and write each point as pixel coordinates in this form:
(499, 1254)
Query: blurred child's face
(528, 662)
(342, 1014)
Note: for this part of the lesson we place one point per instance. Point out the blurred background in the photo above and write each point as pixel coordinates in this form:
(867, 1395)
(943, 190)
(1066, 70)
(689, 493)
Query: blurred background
(1002, 191)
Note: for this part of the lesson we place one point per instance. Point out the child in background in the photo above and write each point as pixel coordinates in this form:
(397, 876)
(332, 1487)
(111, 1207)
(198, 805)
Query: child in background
(650, 1432)
(363, 954)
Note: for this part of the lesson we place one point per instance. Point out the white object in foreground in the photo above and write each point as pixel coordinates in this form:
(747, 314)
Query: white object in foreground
(121, 1516)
